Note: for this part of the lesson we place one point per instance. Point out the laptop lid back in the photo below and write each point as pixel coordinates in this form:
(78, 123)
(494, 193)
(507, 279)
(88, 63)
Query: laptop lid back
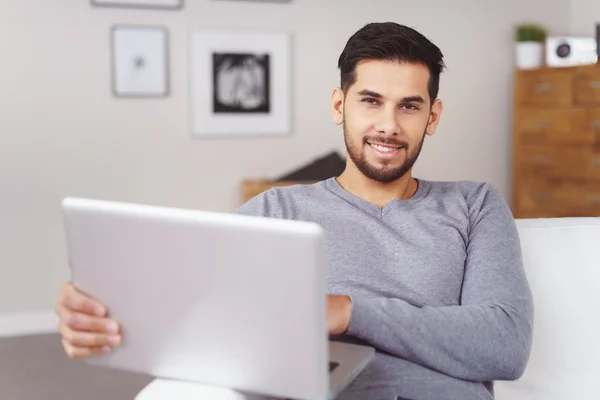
(215, 298)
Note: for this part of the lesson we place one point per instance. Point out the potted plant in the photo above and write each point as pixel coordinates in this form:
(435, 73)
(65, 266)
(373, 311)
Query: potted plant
(530, 45)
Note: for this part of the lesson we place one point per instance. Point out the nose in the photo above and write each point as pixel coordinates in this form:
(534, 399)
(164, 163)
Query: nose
(387, 124)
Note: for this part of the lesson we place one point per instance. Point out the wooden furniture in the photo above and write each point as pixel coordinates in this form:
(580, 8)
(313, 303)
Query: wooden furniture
(556, 166)
(250, 188)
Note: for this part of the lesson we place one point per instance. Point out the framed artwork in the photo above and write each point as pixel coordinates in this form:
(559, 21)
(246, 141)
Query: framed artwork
(159, 4)
(241, 83)
(139, 61)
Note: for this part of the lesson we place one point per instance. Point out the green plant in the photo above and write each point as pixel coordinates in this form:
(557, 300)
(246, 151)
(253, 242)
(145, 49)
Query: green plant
(530, 33)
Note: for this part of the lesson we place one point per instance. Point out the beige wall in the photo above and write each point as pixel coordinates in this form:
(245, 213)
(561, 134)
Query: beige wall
(61, 132)
(585, 14)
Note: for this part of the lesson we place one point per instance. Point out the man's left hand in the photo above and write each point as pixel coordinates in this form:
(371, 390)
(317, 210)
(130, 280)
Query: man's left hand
(339, 311)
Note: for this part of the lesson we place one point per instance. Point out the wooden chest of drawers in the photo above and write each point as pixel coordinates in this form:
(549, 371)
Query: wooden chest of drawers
(556, 161)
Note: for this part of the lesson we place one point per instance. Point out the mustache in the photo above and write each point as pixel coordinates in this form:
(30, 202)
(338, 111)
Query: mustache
(386, 140)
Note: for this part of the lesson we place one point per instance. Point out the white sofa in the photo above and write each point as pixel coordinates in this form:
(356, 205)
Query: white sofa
(562, 259)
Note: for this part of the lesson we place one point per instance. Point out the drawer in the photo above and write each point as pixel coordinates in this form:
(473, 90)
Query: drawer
(586, 83)
(535, 125)
(547, 87)
(539, 198)
(559, 162)
(591, 125)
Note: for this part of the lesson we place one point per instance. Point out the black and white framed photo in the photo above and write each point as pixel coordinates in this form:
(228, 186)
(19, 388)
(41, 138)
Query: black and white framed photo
(241, 83)
(158, 4)
(140, 61)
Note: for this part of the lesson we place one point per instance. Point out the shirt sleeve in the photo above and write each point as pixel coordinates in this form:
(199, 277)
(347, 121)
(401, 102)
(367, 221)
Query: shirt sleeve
(489, 335)
(264, 204)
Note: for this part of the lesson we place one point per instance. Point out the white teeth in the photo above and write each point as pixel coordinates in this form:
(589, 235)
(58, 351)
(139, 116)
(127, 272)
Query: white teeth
(384, 149)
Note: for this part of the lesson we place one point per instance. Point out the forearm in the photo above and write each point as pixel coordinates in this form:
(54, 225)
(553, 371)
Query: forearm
(475, 342)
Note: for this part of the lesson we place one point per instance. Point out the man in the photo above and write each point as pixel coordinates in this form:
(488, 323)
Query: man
(429, 273)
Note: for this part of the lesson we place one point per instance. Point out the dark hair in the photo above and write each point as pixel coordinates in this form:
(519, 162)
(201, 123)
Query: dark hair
(393, 42)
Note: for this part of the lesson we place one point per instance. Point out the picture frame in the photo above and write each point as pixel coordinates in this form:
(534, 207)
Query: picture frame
(241, 83)
(150, 4)
(139, 61)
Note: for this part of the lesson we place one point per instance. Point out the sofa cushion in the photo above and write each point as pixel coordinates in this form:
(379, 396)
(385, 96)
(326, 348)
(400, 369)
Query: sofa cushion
(562, 261)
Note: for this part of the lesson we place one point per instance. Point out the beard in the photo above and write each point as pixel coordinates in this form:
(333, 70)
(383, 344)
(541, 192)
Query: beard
(385, 173)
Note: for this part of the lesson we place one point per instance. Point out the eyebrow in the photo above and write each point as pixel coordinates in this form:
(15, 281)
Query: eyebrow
(408, 99)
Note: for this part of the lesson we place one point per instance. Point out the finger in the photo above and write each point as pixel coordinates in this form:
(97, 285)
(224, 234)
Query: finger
(88, 339)
(77, 301)
(81, 352)
(83, 322)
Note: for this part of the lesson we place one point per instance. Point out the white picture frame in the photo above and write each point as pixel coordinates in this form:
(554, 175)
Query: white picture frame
(241, 83)
(139, 61)
(157, 4)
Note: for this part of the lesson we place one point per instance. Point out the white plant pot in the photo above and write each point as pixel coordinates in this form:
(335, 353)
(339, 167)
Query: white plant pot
(529, 55)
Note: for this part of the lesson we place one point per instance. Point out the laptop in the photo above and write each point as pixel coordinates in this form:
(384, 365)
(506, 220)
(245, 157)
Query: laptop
(220, 299)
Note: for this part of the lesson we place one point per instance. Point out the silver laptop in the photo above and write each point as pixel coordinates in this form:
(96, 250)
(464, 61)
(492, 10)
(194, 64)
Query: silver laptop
(215, 298)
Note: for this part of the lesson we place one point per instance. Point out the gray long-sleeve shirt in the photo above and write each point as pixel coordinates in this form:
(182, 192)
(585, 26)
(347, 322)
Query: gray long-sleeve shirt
(437, 284)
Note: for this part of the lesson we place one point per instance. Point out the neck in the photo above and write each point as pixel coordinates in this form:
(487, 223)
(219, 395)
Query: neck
(378, 193)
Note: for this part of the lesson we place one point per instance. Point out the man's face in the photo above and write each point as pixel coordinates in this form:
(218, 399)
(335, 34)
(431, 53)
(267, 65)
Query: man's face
(386, 115)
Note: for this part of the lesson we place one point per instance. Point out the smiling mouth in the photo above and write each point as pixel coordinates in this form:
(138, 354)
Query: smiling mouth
(384, 148)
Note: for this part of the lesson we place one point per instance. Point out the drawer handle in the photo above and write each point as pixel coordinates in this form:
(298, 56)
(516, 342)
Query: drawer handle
(542, 195)
(542, 159)
(596, 84)
(595, 123)
(595, 201)
(544, 124)
(595, 162)
(544, 87)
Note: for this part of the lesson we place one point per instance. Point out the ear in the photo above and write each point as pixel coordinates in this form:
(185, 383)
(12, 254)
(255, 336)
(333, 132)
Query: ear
(337, 106)
(434, 117)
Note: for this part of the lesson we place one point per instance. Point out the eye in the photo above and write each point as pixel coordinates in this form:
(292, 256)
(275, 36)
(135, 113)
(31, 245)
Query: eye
(370, 100)
(409, 107)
